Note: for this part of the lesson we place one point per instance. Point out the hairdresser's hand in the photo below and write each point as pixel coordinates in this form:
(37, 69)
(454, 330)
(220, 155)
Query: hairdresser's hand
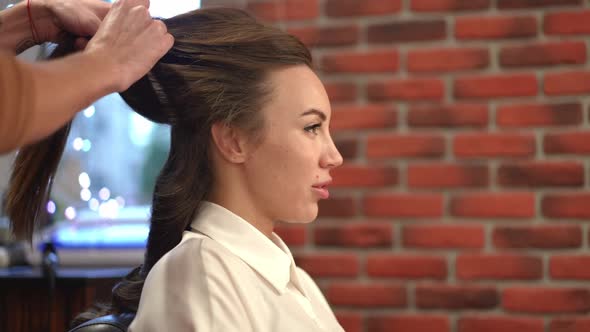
(129, 42)
(55, 19)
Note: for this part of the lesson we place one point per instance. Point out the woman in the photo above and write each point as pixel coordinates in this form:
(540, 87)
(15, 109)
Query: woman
(250, 146)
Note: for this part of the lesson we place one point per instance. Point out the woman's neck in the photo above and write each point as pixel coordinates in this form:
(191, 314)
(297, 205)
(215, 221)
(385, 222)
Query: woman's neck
(245, 209)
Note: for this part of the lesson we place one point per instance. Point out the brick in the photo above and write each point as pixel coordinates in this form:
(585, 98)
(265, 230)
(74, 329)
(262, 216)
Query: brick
(524, 4)
(500, 323)
(447, 176)
(409, 323)
(541, 237)
(570, 267)
(348, 147)
(494, 205)
(315, 36)
(567, 83)
(495, 27)
(343, 8)
(447, 59)
(337, 207)
(542, 115)
(329, 265)
(448, 5)
(388, 145)
(546, 300)
(443, 236)
(350, 175)
(407, 89)
(407, 31)
(515, 85)
(361, 62)
(403, 205)
(341, 92)
(456, 297)
(498, 266)
(350, 321)
(545, 54)
(363, 117)
(367, 295)
(541, 174)
(578, 324)
(357, 235)
(566, 205)
(567, 23)
(494, 145)
(284, 10)
(291, 235)
(406, 266)
(567, 143)
(459, 115)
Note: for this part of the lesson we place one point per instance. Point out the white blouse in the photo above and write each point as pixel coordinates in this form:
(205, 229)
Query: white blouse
(227, 276)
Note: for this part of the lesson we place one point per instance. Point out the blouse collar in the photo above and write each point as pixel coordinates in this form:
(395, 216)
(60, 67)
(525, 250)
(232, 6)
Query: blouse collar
(270, 257)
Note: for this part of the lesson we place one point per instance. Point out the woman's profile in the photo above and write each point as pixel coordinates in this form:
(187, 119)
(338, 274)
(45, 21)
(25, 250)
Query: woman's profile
(250, 147)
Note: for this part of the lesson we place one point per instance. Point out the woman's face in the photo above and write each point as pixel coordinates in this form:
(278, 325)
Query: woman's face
(289, 170)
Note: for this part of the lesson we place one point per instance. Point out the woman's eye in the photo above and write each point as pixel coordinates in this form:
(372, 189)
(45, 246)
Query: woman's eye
(313, 128)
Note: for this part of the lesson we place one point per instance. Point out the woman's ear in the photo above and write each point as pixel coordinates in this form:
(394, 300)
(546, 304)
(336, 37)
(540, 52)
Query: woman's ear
(230, 142)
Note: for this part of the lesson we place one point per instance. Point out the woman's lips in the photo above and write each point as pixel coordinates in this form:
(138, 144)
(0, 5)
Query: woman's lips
(322, 191)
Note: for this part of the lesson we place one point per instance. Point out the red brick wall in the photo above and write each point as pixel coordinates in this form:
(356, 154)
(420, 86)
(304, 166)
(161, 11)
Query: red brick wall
(464, 200)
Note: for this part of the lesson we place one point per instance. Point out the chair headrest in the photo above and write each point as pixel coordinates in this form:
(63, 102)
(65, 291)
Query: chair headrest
(109, 323)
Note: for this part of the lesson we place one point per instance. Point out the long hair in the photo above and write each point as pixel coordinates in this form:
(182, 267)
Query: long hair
(215, 72)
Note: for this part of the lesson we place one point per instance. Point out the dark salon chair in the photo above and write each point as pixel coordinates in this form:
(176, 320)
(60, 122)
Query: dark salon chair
(110, 323)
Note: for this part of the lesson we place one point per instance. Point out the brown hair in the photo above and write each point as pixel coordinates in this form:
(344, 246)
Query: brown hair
(215, 72)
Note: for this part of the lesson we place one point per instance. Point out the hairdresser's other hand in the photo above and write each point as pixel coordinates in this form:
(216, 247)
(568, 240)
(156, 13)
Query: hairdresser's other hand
(129, 42)
(54, 19)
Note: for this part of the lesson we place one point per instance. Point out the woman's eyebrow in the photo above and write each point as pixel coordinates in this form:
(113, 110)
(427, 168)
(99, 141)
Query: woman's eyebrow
(321, 114)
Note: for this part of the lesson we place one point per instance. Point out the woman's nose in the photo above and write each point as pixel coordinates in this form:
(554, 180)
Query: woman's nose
(332, 158)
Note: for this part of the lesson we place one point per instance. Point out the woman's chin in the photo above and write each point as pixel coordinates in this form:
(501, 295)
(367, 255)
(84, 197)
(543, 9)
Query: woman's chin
(306, 218)
(300, 213)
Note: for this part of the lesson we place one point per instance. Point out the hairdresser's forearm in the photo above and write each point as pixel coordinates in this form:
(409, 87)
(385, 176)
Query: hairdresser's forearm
(15, 30)
(63, 87)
